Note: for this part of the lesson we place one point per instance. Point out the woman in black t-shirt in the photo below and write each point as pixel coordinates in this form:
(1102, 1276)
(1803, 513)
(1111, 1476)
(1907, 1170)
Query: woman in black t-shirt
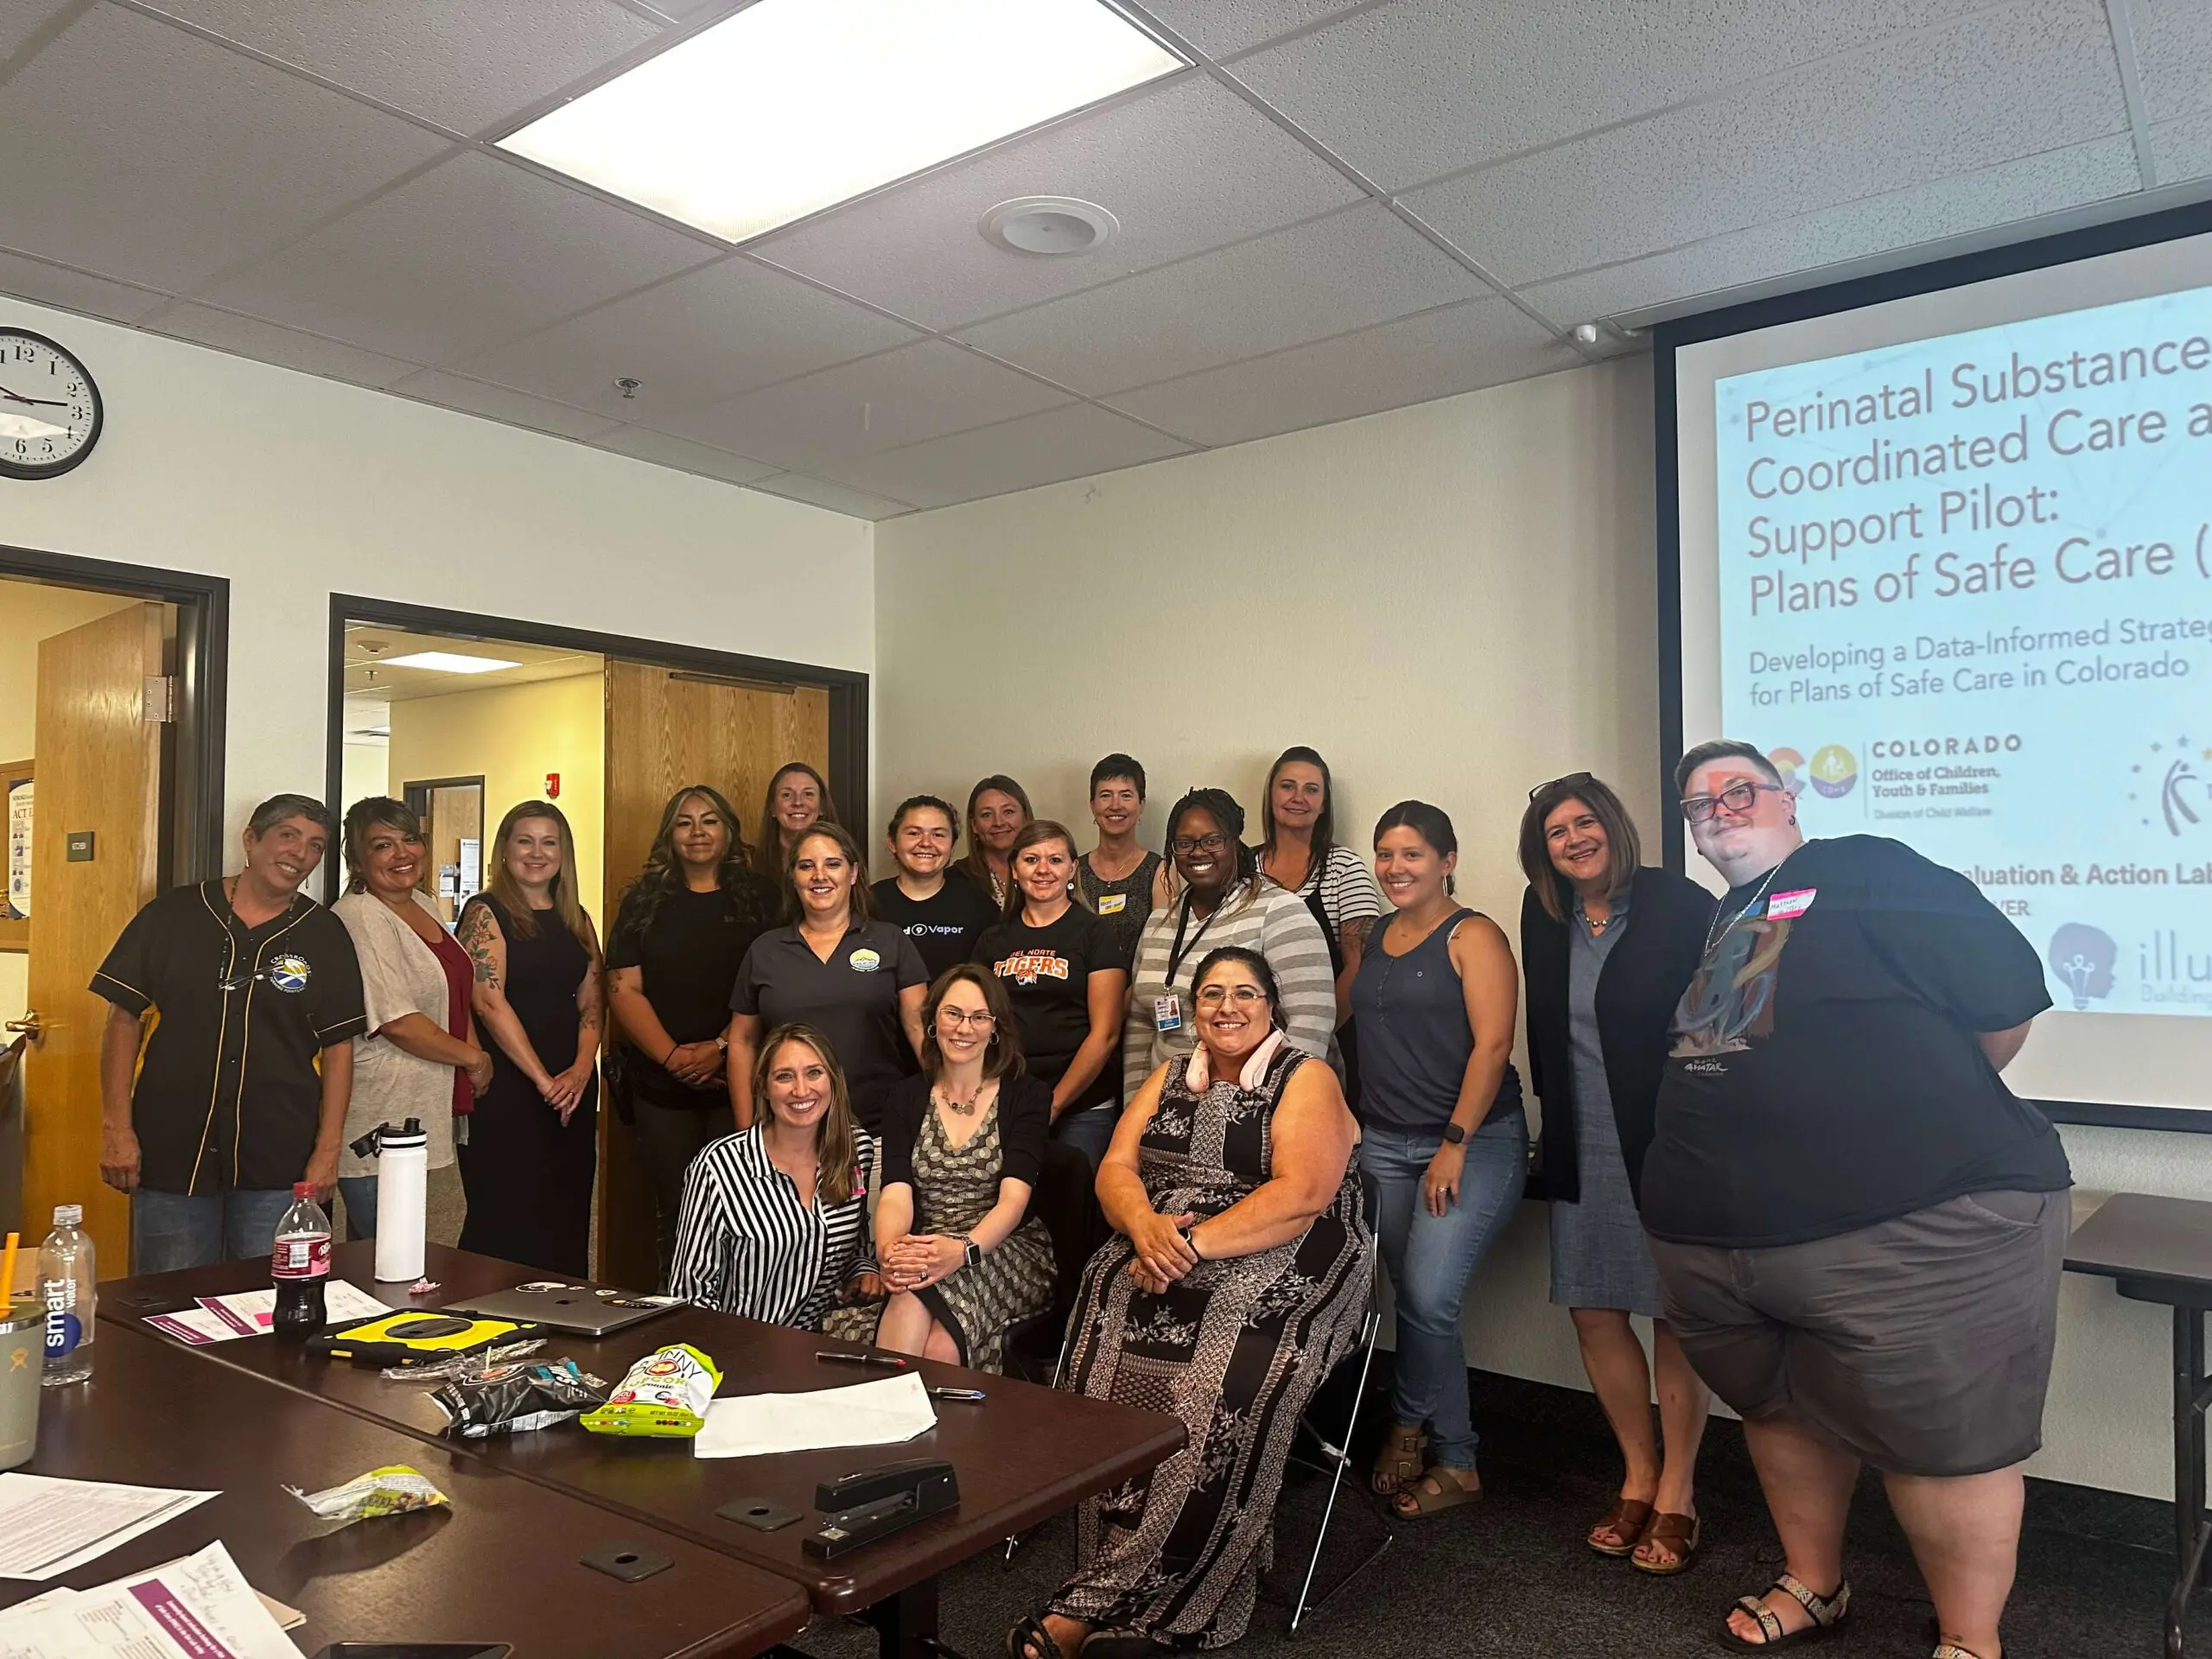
(1067, 974)
(682, 928)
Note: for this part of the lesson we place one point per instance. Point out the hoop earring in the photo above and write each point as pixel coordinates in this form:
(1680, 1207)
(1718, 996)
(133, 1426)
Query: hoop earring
(993, 1043)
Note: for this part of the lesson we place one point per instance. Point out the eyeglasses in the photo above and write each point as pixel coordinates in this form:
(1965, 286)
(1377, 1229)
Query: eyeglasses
(1571, 780)
(1213, 844)
(1245, 996)
(1737, 798)
(958, 1017)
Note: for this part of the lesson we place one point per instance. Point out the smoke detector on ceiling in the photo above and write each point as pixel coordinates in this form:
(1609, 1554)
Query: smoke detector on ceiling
(1052, 227)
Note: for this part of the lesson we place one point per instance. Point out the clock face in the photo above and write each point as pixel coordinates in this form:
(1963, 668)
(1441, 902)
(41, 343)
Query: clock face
(49, 408)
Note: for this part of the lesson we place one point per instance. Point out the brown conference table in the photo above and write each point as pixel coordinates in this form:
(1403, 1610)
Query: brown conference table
(1021, 1455)
(503, 1564)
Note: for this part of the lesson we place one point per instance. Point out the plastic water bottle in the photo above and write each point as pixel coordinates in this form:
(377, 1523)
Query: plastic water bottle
(66, 1291)
(402, 1188)
(301, 1266)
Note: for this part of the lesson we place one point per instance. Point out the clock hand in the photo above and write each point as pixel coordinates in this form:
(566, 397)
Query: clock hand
(43, 403)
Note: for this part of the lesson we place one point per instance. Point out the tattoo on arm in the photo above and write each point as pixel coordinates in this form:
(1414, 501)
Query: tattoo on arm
(1356, 931)
(478, 933)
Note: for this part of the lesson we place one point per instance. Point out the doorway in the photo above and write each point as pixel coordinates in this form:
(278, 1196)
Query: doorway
(654, 718)
(452, 811)
(111, 714)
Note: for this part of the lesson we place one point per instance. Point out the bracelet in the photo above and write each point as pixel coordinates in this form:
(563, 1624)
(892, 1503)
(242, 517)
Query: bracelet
(1191, 1237)
(671, 1055)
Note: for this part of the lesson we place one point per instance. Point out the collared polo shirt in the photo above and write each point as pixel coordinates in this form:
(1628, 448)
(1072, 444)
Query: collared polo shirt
(851, 999)
(229, 1096)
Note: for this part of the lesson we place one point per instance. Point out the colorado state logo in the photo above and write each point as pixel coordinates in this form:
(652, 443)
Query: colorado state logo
(1835, 771)
(289, 973)
(1786, 762)
(865, 960)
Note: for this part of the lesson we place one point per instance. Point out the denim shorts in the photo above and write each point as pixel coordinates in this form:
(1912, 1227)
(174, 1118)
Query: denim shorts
(1921, 1344)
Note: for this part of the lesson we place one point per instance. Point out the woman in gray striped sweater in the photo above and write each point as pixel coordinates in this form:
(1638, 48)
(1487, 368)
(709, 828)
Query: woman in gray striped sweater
(1225, 900)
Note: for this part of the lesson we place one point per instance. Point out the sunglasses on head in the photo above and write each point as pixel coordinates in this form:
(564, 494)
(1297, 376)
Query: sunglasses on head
(1572, 778)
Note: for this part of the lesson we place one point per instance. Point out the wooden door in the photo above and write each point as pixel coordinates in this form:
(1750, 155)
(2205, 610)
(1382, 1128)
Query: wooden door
(99, 769)
(666, 730)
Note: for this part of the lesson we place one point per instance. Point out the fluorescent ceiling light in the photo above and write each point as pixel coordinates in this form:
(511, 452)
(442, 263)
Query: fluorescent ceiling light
(448, 661)
(791, 105)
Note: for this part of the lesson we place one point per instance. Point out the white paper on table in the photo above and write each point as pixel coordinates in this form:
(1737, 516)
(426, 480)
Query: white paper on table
(253, 1312)
(200, 1607)
(48, 1526)
(882, 1413)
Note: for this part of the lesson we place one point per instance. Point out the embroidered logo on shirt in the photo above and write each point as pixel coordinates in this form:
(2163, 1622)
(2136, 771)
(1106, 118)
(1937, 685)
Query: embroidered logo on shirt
(289, 973)
(1026, 970)
(864, 961)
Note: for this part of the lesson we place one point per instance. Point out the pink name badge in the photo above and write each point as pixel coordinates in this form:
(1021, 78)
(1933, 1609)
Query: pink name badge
(1783, 906)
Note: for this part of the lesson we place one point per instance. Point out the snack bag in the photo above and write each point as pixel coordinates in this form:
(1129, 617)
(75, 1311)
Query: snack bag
(393, 1490)
(510, 1399)
(665, 1394)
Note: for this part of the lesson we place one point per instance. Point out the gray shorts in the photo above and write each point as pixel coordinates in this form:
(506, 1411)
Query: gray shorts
(1922, 1345)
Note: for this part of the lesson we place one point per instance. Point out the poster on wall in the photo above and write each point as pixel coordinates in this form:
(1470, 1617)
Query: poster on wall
(16, 896)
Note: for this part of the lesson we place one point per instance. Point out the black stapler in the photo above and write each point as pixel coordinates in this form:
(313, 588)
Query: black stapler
(871, 1504)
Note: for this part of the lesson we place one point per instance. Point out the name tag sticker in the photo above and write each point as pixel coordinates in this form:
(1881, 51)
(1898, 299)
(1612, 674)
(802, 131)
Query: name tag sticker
(1782, 905)
(1167, 1013)
(1113, 904)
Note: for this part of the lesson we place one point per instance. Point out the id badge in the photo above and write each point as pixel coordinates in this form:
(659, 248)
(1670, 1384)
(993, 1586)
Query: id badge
(1167, 1013)
(1113, 904)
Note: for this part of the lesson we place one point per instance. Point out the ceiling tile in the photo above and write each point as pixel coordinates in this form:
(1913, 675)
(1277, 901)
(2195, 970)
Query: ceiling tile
(197, 157)
(838, 497)
(74, 290)
(1328, 277)
(1187, 167)
(923, 391)
(474, 252)
(1408, 91)
(286, 347)
(2183, 149)
(1220, 28)
(682, 454)
(499, 404)
(2037, 76)
(21, 19)
(706, 336)
(1045, 448)
(1457, 348)
(2003, 194)
(2173, 46)
(466, 66)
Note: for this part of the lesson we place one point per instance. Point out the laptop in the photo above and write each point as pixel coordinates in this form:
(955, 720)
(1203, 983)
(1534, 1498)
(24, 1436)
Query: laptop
(580, 1308)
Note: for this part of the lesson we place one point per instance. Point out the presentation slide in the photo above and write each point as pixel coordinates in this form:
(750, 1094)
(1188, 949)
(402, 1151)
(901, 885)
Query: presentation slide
(1957, 584)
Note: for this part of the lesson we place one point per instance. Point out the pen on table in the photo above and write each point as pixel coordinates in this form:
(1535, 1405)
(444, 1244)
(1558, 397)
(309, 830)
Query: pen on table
(955, 1394)
(883, 1360)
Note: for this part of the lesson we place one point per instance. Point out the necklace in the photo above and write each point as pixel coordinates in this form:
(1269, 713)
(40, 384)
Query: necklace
(964, 1108)
(1597, 928)
(1716, 927)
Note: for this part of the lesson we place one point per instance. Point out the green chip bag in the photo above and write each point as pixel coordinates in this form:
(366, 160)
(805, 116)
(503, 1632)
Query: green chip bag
(664, 1394)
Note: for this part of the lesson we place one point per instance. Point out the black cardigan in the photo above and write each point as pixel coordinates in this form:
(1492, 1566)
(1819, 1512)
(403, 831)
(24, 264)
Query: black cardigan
(1025, 1124)
(1641, 983)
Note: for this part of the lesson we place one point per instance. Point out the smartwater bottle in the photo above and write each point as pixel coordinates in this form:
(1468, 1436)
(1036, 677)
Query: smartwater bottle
(66, 1293)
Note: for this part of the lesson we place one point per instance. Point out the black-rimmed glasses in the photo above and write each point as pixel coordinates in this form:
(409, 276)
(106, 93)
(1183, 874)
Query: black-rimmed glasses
(1571, 780)
(1737, 798)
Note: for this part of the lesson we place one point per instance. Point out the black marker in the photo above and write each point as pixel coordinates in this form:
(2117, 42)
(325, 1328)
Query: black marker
(955, 1394)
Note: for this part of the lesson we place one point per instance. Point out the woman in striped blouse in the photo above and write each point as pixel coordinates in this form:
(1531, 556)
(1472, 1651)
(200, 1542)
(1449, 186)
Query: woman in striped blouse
(1225, 900)
(774, 1223)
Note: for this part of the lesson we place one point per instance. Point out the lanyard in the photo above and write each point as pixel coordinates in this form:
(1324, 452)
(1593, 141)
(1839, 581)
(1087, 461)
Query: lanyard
(1177, 951)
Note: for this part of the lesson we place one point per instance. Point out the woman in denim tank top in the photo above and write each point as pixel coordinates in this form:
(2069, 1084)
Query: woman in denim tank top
(1444, 1145)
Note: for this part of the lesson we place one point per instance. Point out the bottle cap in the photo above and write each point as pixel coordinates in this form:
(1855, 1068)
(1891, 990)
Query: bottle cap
(68, 1215)
(303, 1189)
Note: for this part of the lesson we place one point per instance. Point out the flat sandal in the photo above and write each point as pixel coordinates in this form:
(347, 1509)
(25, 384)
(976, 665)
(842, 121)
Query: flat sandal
(1627, 1520)
(1681, 1533)
(1827, 1612)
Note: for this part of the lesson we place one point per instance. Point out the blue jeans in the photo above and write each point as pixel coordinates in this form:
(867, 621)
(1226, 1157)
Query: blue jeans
(1431, 1258)
(170, 1231)
(1090, 1133)
(359, 1192)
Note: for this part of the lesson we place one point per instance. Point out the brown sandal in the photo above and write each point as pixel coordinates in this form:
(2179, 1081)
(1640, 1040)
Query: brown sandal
(1399, 1461)
(1625, 1521)
(1439, 1488)
(1679, 1535)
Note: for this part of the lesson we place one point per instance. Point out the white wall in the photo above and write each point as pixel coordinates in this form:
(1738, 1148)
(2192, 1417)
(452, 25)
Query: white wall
(1454, 601)
(296, 487)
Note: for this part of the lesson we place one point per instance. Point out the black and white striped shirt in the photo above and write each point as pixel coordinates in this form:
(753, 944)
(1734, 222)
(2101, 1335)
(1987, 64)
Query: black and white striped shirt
(745, 1244)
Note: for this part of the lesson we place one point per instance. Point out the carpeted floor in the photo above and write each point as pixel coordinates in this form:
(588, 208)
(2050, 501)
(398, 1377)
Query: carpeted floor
(1511, 1576)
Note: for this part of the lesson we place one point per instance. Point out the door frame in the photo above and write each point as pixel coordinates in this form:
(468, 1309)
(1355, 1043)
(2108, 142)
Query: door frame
(193, 841)
(847, 688)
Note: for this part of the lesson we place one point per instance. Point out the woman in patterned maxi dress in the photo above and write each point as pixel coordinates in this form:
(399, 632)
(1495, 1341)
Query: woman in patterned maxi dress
(1239, 1280)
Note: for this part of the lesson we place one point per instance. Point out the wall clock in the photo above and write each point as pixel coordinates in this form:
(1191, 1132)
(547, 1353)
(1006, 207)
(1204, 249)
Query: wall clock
(50, 410)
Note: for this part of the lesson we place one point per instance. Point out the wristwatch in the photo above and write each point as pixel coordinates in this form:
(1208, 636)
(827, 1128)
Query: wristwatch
(1454, 1135)
(973, 1253)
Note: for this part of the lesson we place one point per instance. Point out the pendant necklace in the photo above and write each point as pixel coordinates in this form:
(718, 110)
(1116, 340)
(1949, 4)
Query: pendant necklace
(1717, 927)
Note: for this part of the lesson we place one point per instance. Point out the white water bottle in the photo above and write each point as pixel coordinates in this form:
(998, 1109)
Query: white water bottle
(403, 1196)
(66, 1291)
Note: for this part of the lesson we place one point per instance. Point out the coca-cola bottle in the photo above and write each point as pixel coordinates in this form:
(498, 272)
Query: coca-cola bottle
(301, 1266)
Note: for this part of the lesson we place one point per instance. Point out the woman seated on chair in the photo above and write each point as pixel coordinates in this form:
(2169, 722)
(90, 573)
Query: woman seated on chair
(1240, 1279)
(961, 1145)
(774, 1220)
